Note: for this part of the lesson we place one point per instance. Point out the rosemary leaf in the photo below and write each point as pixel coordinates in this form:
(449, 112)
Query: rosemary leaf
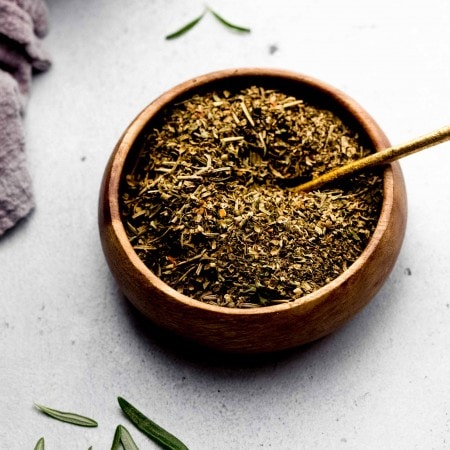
(186, 27)
(40, 444)
(126, 439)
(74, 419)
(122, 437)
(116, 440)
(150, 428)
(229, 24)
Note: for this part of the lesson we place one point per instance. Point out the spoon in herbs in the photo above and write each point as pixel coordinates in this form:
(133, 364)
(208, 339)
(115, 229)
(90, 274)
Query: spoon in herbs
(375, 159)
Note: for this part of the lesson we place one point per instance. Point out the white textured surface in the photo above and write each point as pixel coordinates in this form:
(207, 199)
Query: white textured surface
(69, 340)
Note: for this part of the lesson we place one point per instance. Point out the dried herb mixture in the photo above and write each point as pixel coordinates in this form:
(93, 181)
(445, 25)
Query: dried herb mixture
(206, 210)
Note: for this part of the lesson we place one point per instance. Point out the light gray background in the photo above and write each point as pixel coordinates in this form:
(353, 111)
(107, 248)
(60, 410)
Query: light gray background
(68, 339)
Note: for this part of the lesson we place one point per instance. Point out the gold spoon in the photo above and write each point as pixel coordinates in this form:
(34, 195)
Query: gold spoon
(383, 157)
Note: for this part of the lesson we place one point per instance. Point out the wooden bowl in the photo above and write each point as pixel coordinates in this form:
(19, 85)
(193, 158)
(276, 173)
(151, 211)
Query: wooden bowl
(269, 328)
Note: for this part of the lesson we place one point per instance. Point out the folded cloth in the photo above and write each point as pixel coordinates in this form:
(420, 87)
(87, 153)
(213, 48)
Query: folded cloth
(22, 25)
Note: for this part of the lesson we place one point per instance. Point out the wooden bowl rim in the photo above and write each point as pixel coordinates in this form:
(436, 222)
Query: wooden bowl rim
(125, 143)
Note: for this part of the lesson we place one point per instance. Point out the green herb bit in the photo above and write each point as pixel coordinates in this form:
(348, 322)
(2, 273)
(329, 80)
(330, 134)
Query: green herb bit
(126, 439)
(72, 418)
(40, 444)
(116, 440)
(228, 24)
(123, 437)
(149, 428)
(186, 27)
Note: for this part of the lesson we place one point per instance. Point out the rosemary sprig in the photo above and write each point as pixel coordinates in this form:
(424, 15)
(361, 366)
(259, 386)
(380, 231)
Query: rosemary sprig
(123, 437)
(158, 434)
(185, 28)
(228, 24)
(72, 418)
(40, 444)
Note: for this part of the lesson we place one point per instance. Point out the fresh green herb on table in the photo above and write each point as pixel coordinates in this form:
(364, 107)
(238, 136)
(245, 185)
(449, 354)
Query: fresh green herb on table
(185, 28)
(122, 437)
(150, 428)
(74, 419)
(40, 444)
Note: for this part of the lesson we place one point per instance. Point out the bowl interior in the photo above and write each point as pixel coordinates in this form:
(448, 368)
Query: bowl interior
(310, 90)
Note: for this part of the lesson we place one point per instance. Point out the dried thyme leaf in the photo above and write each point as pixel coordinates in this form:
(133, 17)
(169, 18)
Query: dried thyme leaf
(40, 444)
(186, 27)
(149, 428)
(72, 418)
(229, 24)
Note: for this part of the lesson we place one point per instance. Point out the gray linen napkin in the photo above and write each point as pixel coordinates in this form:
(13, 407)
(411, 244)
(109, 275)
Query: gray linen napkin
(22, 25)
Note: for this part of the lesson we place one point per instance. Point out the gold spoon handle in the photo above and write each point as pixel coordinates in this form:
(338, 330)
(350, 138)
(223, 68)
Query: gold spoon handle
(385, 156)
